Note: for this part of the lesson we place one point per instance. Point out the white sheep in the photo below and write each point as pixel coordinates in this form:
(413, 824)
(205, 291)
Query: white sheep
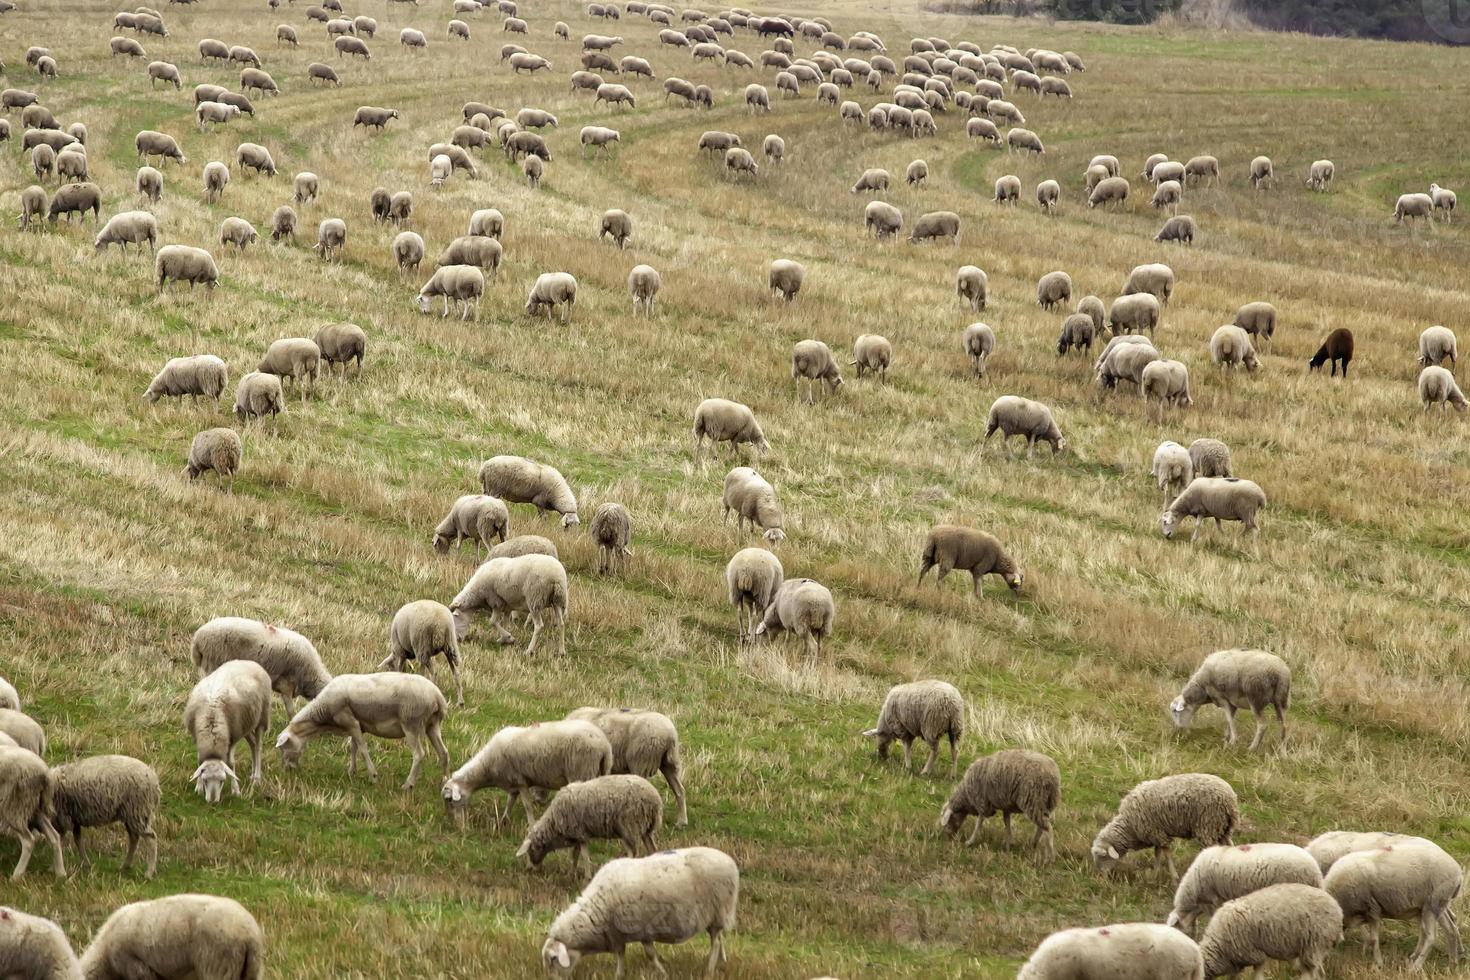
(929, 710)
(1007, 782)
(178, 936)
(474, 517)
(23, 731)
(872, 352)
(289, 658)
(666, 897)
(643, 285)
(1399, 881)
(232, 704)
(806, 609)
(103, 790)
(1210, 457)
(611, 529)
(1233, 679)
(753, 499)
(643, 743)
(1172, 468)
(1012, 415)
(553, 289)
(721, 420)
(1221, 873)
(950, 546)
(1326, 849)
(1319, 178)
(464, 284)
(258, 395)
(419, 630)
(970, 286)
(201, 374)
(518, 480)
(389, 705)
(33, 947)
(752, 577)
(1230, 347)
(812, 360)
(1436, 344)
(1444, 200)
(785, 277)
(1155, 278)
(530, 584)
(618, 807)
(27, 790)
(8, 696)
(978, 341)
(1295, 923)
(1221, 498)
(1128, 951)
(1156, 812)
(1437, 386)
(546, 755)
(1167, 381)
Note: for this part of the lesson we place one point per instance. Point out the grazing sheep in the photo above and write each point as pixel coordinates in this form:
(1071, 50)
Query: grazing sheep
(254, 78)
(162, 71)
(1180, 228)
(283, 223)
(341, 343)
(1257, 319)
(305, 187)
(78, 199)
(1048, 194)
(296, 359)
(872, 352)
(774, 148)
(419, 630)
(126, 46)
(1156, 812)
(1221, 498)
(326, 74)
(1007, 782)
(518, 480)
(950, 546)
(178, 936)
(786, 277)
(474, 517)
(1319, 178)
(28, 788)
(523, 544)
(666, 897)
(753, 499)
(218, 450)
(214, 112)
(1236, 678)
(618, 807)
(1220, 874)
(927, 710)
(258, 395)
(553, 289)
(812, 360)
(1008, 189)
(1230, 347)
(1172, 468)
(22, 731)
(721, 420)
(408, 251)
(1024, 139)
(611, 528)
(971, 286)
(617, 224)
(1154, 278)
(464, 284)
(1437, 387)
(546, 756)
(149, 143)
(237, 232)
(978, 341)
(33, 946)
(873, 179)
(914, 175)
(1135, 313)
(1262, 173)
(613, 95)
(531, 584)
(1399, 881)
(753, 576)
(216, 179)
(1168, 195)
(643, 285)
(33, 205)
(882, 219)
(293, 664)
(1012, 416)
(1130, 951)
(352, 46)
(1326, 849)
(373, 117)
(389, 705)
(1444, 200)
(1168, 381)
(104, 790)
(149, 183)
(1414, 206)
(1210, 458)
(806, 609)
(230, 704)
(1292, 922)
(129, 227)
(1124, 359)
(1436, 344)
(1338, 347)
(1203, 168)
(643, 743)
(1109, 190)
(184, 263)
(1078, 331)
(487, 223)
(473, 250)
(1053, 289)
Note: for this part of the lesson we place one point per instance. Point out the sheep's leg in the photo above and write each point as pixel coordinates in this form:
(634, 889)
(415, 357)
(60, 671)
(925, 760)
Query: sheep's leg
(954, 755)
(933, 754)
(1370, 940)
(510, 804)
(359, 744)
(671, 776)
(253, 740)
(27, 844)
(1230, 710)
(504, 635)
(1451, 932)
(534, 615)
(1281, 720)
(526, 805)
(416, 747)
(579, 852)
(1198, 521)
(1260, 727)
(86, 859)
(1428, 930)
(908, 752)
(620, 953)
(658, 966)
(974, 837)
(58, 864)
(458, 687)
(979, 583)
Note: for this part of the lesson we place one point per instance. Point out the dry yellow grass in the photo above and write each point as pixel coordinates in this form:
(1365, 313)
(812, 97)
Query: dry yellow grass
(111, 559)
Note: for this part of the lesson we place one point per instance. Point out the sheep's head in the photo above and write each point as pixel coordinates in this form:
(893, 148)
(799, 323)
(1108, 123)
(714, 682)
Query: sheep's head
(535, 853)
(441, 543)
(1060, 446)
(1105, 856)
(775, 535)
(559, 960)
(456, 802)
(291, 747)
(209, 780)
(951, 819)
(1014, 579)
(570, 520)
(461, 619)
(1181, 713)
(423, 303)
(1167, 523)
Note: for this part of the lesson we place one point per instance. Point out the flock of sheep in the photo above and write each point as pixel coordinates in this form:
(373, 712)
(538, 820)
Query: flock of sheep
(1265, 901)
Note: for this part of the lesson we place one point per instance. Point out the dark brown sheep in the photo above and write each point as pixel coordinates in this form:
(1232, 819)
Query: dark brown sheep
(1337, 347)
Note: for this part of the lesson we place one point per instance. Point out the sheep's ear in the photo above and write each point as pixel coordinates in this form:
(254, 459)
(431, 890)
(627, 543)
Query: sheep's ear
(562, 956)
(197, 773)
(871, 733)
(283, 738)
(455, 795)
(1113, 853)
(524, 849)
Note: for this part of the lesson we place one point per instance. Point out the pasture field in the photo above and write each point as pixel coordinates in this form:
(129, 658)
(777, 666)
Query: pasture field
(109, 558)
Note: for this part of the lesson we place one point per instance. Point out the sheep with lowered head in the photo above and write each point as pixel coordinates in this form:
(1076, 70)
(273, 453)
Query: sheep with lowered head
(546, 756)
(231, 704)
(1437, 387)
(1154, 277)
(523, 544)
(1168, 381)
(1210, 457)
(217, 449)
(666, 897)
(474, 517)
(178, 936)
(518, 480)
(1172, 468)
(341, 343)
(617, 807)
(806, 609)
(927, 710)
(532, 584)
(128, 228)
(1078, 331)
(752, 578)
(643, 285)
(1230, 347)
(1221, 498)
(1221, 873)
(1436, 344)
(1007, 782)
(1399, 881)
(786, 278)
(464, 284)
(1293, 922)
(1180, 228)
(1135, 313)
(950, 546)
(1156, 812)
(618, 225)
(1053, 289)
(1257, 319)
(1233, 679)
(419, 630)
(258, 395)
(971, 285)
(872, 352)
(293, 664)
(553, 289)
(611, 528)
(936, 224)
(1326, 849)
(643, 743)
(1129, 951)
(389, 705)
(201, 374)
(812, 360)
(28, 789)
(22, 730)
(294, 359)
(753, 499)
(1016, 416)
(1319, 178)
(103, 790)
(721, 420)
(33, 947)
(184, 263)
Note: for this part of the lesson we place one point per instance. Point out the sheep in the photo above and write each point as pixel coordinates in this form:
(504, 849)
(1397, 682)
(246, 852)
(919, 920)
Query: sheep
(419, 630)
(1204, 168)
(532, 584)
(927, 710)
(1154, 278)
(1124, 358)
(1053, 289)
(216, 179)
(286, 34)
(230, 704)
(617, 224)
(643, 743)
(623, 807)
(487, 222)
(1210, 458)
(611, 529)
(1109, 190)
(1048, 193)
(872, 352)
(547, 756)
(149, 143)
(721, 420)
(184, 263)
(28, 788)
(978, 341)
(1297, 923)
(1437, 387)
(1008, 189)
(1257, 319)
(76, 199)
(666, 897)
(341, 343)
(258, 395)
(254, 78)
(474, 517)
(389, 705)
(1338, 347)
(643, 286)
(1007, 782)
(352, 46)
(14, 98)
(33, 205)
(296, 359)
(8, 696)
(293, 664)
(283, 223)
(757, 98)
(149, 183)
(43, 163)
(1180, 228)
(1134, 313)
(812, 360)
(914, 175)
(1024, 139)
(1399, 881)
(1154, 813)
(981, 129)
(774, 148)
(459, 29)
(717, 141)
(408, 251)
(1172, 468)
(441, 168)
(178, 936)
(613, 95)
(1326, 849)
(535, 119)
(1055, 86)
(850, 111)
(1436, 344)
(630, 65)
(412, 38)
(950, 546)
(752, 577)
(35, 947)
(237, 232)
(218, 450)
(465, 284)
(1235, 678)
(1221, 498)
(1168, 195)
(806, 609)
(129, 227)
(1413, 206)
(214, 112)
(103, 790)
(785, 277)
(1444, 200)
(373, 117)
(478, 251)
(1319, 178)
(1230, 347)
(126, 46)
(1262, 172)
(1013, 415)
(872, 179)
(553, 289)
(1219, 874)
(209, 48)
(753, 499)
(518, 480)
(22, 730)
(1166, 380)
(1130, 951)
(523, 544)
(305, 187)
(162, 71)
